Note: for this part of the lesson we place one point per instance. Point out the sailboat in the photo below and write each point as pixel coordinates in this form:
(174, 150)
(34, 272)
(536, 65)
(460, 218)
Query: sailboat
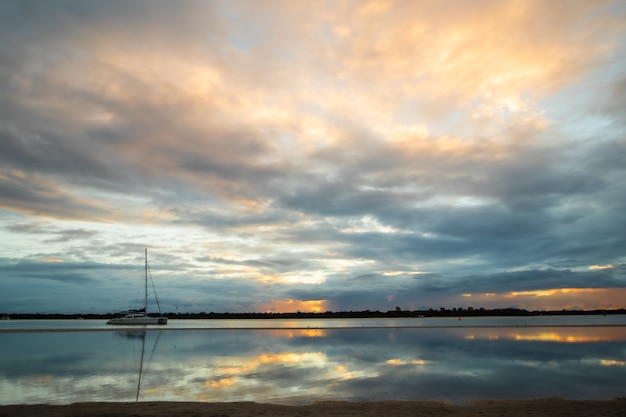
(140, 316)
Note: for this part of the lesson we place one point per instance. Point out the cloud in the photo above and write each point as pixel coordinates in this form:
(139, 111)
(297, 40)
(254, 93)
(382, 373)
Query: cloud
(39, 196)
(480, 143)
(56, 270)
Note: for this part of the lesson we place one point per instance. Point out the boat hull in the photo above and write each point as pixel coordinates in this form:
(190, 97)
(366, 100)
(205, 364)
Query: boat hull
(137, 320)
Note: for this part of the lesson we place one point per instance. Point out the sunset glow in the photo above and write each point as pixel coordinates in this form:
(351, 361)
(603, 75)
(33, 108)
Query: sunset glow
(284, 306)
(550, 299)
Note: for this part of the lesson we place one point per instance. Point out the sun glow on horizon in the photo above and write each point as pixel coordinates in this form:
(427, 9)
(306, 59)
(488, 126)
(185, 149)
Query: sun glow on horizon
(291, 306)
(550, 299)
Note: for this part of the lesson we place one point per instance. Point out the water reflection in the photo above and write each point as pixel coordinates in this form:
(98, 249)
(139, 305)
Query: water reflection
(144, 360)
(304, 365)
(558, 335)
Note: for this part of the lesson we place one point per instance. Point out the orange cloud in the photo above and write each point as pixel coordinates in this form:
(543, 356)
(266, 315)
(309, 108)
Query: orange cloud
(53, 260)
(397, 362)
(609, 266)
(381, 57)
(612, 362)
(497, 50)
(551, 292)
(221, 383)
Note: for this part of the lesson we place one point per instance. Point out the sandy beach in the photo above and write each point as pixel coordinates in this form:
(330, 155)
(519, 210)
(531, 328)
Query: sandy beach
(548, 407)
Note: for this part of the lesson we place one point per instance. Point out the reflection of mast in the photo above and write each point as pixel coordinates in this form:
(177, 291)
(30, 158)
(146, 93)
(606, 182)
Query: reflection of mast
(143, 348)
(136, 334)
(143, 345)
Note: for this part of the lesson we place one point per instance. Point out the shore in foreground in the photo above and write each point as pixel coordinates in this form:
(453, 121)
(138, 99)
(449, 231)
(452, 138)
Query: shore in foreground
(548, 407)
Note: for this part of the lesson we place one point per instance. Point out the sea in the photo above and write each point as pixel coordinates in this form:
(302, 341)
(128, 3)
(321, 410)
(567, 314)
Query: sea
(286, 361)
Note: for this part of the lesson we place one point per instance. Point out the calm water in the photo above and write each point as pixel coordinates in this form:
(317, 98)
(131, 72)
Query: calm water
(292, 362)
(599, 320)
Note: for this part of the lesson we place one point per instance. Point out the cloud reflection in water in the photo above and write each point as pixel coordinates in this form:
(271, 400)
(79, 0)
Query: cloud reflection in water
(298, 366)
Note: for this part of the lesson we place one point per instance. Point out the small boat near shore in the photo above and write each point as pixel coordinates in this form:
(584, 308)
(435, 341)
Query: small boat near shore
(134, 317)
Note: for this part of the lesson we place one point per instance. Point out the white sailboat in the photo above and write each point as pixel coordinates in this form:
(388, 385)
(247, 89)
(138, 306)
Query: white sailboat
(140, 316)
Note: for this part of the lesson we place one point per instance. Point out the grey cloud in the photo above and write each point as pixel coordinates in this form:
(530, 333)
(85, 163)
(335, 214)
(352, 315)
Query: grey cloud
(541, 279)
(48, 153)
(59, 235)
(70, 272)
(268, 264)
(40, 197)
(27, 228)
(613, 104)
(74, 234)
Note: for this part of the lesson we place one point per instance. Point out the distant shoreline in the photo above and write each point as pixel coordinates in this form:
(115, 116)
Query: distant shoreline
(470, 312)
(173, 329)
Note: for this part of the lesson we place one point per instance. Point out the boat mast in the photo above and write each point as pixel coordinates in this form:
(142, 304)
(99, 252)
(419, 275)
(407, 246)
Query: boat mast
(145, 299)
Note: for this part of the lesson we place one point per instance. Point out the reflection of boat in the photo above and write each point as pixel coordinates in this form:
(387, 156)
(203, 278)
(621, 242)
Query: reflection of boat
(141, 316)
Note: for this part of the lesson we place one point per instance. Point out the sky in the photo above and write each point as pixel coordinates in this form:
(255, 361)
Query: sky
(278, 156)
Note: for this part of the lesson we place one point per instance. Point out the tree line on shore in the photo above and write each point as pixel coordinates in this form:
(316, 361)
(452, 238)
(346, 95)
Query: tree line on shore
(398, 312)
